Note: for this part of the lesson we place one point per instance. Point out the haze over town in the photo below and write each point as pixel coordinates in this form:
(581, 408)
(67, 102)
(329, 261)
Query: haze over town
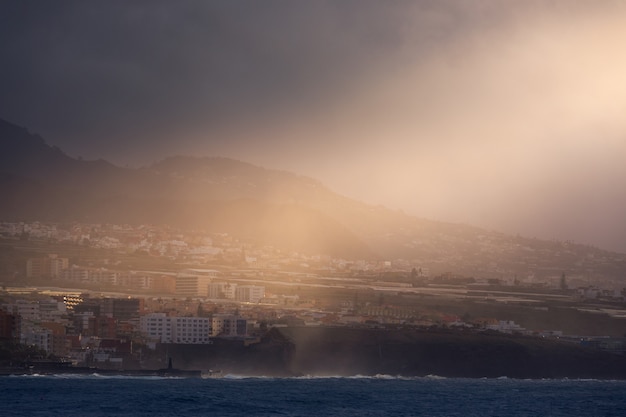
(330, 188)
(505, 115)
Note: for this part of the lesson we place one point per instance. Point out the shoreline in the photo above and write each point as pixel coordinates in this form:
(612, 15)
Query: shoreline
(300, 352)
(235, 377)
(64, 368)
(447, 353)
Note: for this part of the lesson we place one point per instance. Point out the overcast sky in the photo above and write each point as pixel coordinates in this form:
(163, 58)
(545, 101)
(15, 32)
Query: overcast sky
(505, 114)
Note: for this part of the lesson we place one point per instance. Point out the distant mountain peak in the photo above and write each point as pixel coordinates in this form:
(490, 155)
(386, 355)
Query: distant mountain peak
(40, 182)
(194, 163)
(207, 167)
(19, 137)
(25, 153)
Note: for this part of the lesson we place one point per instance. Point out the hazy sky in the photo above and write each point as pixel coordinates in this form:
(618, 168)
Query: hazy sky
(504, 114)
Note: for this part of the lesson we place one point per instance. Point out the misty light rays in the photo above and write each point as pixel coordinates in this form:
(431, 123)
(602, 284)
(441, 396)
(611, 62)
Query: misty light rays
(507, 115)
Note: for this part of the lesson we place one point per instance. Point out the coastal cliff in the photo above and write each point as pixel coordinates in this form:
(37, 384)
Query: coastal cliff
(269, 356)
(450, 353)
(341, 351)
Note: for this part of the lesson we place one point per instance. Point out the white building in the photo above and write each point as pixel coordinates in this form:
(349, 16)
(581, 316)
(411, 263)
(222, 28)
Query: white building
(27, 310)
(195, 282)
(57, 265)
(76, 274)
(47, 266)
(221, 290)
(51, 310)
(188, 285)
(228, 325)
(183, 330)
(104, 276)
(249, 293)
(37, 336)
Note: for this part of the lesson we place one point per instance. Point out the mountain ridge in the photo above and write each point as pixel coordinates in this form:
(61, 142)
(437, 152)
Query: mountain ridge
(33, 174)
(281, 208)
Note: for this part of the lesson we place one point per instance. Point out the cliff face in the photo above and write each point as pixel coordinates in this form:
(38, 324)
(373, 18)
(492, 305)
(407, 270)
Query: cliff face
(342, 351)
(337, 351)
(269, 357)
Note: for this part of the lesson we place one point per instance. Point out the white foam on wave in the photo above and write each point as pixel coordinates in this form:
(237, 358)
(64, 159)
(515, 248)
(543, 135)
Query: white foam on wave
(143, 377)
(330, 377)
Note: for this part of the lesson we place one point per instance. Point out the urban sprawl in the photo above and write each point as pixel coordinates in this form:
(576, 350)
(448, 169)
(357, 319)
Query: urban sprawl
(101, 295)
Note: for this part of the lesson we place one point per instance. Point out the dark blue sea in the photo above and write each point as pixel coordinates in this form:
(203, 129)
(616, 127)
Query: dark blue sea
(68, 395)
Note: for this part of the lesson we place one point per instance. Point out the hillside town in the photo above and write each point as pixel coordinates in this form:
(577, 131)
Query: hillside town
(85, 303)
(509, 261)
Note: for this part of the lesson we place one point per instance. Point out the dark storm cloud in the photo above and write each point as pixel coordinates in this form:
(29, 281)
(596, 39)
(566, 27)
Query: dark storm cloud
(82, 68)
(88, 70)
(478, 111)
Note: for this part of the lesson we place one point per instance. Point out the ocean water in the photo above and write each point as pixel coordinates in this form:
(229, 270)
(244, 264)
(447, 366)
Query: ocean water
(93, 395)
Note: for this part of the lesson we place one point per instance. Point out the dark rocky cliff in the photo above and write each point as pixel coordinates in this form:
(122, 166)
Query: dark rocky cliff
(411, 352)
(340, 351)
(269, 357)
